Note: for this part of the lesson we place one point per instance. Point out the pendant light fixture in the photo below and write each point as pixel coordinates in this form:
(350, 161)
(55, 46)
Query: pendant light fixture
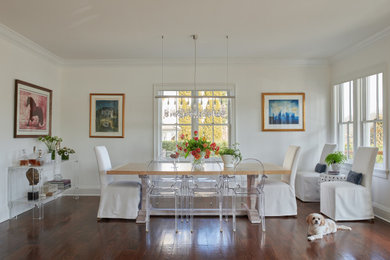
(193, 110)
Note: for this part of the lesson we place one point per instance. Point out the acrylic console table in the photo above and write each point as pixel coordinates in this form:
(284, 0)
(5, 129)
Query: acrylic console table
(165, 168)
(19, 186)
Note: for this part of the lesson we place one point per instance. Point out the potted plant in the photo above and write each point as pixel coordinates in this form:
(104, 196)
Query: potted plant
(335, 159)
(64, 152)
(52, 143)
(230, 156)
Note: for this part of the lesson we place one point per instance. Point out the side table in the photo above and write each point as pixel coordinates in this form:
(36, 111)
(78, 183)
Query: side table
(325, 177)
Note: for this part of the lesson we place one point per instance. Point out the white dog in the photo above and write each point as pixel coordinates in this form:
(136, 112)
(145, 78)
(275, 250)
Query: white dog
(319, 226)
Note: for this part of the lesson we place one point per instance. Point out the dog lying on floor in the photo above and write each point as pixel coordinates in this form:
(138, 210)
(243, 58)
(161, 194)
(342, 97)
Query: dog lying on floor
(319, 226)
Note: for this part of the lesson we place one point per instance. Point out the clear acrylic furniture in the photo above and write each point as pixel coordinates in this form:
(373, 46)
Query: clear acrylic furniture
(209, 186)
(18, 186)
(161, 187)
(245, 194)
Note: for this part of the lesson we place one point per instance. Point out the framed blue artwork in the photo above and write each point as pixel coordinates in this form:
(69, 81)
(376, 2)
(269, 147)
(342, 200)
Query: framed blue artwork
(283, 111)
(106, 115)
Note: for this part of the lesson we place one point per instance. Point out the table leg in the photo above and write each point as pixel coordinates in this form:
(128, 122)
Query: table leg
(141, 218)
(253, 213)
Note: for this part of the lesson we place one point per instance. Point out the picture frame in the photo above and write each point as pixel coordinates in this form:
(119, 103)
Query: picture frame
(32, 110)
(283, 111)
(106, 115)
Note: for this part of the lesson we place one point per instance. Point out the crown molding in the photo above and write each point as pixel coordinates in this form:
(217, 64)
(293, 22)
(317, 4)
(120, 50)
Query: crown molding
(200, 61)
(21, 41)
(360, 45)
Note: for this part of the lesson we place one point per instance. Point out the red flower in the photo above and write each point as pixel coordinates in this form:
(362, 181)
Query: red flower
(208, 152)
(217, 148)
(185, 150)
(207, 156)
(180, 148)
(186, 144)
(177, 153)
(196, 138)
(182, 136)
(198, 150)
(195, 133)
(204, 145)
(193, 153)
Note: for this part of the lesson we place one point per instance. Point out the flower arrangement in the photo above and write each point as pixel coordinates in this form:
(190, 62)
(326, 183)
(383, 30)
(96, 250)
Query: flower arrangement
(198, 147)
(52, 143)
(65, 152)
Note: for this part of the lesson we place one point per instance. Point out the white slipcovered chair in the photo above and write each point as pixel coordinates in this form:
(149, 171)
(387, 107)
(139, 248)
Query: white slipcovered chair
(280, 194)
(118, 199)
(307, 186)
(344, 200)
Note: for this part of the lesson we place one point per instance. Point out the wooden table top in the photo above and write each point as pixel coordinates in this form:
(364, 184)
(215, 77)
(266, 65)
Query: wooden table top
(167, 168)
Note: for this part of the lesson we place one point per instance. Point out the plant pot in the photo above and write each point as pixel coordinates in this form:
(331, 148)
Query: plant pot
(228, 160)
(335, 167)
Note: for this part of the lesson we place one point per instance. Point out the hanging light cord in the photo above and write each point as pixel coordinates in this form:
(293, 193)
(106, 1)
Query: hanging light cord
(162, 61)
(194, 37)
(227, 61)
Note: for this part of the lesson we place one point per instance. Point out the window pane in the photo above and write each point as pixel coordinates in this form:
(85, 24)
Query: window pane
(168, 110)
(184, 107)
(345, 102)
(206, 131)
(379, 141)
(221, 108)
(371, 95)
(350, 141)
(368, 134)
(221, 135)
(205, 106)
(380, 95)
(184, 129)
(168, 137)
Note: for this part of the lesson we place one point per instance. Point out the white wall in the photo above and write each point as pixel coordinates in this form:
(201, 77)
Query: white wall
(17, 62)
(136, 81)
(359, 63)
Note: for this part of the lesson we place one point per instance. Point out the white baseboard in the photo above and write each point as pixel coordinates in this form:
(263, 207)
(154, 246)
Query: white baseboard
(382, 212)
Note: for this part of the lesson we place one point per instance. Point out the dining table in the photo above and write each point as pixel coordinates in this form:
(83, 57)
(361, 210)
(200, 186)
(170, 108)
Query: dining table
(250, 170)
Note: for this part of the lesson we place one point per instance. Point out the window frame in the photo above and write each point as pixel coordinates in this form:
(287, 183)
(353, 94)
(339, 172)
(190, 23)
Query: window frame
(157, 88)
(359, 99)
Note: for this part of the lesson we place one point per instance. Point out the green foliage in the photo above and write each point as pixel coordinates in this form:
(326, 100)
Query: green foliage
(50, 141)
(336, 157)
(66, 151)
(169, 145)
(231, 151)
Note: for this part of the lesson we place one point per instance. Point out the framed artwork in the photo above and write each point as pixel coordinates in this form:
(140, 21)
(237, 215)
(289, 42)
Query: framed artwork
(32, 110)
(106, 115)
(283, 111)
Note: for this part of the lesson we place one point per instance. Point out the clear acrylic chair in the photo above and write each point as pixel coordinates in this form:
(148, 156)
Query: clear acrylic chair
(246, 195)
(208, 186)
(162, 189)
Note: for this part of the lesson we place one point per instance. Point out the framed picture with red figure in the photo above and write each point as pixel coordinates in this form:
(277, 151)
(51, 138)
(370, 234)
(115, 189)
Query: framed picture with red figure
(32, 110)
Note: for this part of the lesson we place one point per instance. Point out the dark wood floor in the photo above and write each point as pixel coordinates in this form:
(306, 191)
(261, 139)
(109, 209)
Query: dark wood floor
(70, 231)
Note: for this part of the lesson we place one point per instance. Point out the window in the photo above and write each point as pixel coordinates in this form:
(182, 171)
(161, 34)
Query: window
(173, 118)
(360, 115)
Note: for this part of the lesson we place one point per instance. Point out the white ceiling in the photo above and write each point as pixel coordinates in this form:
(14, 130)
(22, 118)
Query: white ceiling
(122, 29)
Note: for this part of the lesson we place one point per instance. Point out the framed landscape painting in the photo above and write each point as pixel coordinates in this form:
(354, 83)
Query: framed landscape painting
(106, 115)
(283, 111)
(32, 116)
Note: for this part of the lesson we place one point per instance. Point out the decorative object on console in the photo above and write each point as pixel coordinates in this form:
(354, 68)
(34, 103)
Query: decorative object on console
(106, 115)
(52, 143)
(283, 111)
(335, 159)
(64, 152)
(61, 184)
(33, 177)
(230, 156)
(199, 148)
(32, 110)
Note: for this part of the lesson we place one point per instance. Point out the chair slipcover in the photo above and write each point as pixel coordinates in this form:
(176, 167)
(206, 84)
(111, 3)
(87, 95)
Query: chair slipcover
(118, 199)
(307, 186)
(348, 201)
(280, 195)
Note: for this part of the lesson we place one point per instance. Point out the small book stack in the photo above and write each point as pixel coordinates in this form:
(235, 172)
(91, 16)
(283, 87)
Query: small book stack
(62, 184)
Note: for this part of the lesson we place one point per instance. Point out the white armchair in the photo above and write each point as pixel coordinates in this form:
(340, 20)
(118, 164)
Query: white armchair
(344, 200)
(280, 194)
(118, 199)
(307, 186)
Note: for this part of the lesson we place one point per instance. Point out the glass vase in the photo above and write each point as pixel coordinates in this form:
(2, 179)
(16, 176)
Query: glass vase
(198, 164)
